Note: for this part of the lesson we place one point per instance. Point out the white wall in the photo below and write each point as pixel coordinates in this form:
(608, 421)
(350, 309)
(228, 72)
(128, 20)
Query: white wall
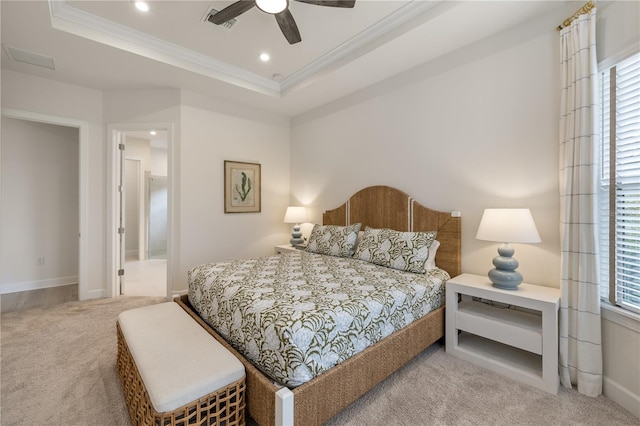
(207, 132)
(138, 156)
(39, 205)
(133, 190)
(158, 162)
(44, 96)
(212, 132)
(139, 148)
(472, 130)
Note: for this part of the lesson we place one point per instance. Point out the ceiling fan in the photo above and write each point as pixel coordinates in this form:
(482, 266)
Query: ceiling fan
(277, 8)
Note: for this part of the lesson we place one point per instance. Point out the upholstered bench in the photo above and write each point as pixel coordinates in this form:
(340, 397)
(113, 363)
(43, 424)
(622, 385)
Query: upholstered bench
(174, 373)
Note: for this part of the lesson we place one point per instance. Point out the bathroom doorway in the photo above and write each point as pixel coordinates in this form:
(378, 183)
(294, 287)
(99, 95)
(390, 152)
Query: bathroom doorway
(144, 206)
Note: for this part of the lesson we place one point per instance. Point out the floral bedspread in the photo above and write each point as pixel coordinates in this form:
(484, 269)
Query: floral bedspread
(298, 314)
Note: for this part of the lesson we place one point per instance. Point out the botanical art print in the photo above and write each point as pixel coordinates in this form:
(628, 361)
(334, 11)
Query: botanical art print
(241, 187)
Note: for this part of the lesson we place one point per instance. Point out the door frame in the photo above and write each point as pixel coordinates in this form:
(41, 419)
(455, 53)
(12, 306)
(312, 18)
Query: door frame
(114, 130)
(83, 184)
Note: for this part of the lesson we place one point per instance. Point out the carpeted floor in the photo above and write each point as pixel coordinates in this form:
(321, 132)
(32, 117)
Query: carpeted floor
(58, 368)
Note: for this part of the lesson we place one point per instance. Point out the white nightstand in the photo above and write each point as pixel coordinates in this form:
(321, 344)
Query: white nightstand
(284, 248)
(518, 344)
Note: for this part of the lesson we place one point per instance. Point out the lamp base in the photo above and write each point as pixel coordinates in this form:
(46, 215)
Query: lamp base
(504, 275)
(506, 280)
(296, 236)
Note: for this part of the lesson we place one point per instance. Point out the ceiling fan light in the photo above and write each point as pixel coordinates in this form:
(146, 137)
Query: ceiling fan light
(142, 6)
(272, 6)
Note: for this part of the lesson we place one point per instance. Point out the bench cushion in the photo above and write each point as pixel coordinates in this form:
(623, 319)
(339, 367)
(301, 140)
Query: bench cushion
(178, 360)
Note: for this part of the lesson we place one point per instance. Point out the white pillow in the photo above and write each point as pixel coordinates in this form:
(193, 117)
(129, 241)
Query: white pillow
(431, 260)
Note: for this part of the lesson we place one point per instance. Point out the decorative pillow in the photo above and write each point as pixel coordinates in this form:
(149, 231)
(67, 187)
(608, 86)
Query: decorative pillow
(406, 251)
(333, 240)
(431, 260)
(360, 234)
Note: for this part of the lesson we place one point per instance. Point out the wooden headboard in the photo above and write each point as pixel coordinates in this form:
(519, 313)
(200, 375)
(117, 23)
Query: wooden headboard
(386, 207)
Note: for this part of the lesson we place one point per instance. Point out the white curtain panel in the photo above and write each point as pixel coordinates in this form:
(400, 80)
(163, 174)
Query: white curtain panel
(580, 333)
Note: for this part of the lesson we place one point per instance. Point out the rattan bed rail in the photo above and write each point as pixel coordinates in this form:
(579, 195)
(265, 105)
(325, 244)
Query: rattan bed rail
(327, 394)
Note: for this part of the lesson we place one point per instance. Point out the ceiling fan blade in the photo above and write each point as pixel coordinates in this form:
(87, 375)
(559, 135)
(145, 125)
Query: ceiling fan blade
(231, 11)
(288, 26)
(331, 3)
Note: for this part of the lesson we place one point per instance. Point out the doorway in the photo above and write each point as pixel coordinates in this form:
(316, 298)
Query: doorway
(78, 230)
(141, 212)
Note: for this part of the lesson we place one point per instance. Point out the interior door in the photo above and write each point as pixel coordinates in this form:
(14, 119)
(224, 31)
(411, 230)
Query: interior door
(121, 211)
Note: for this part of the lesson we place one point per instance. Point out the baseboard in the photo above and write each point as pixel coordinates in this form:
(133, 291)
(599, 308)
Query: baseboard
(96, 294)
(37, 285)
(621, 396)
(132, 253)
(178, 293)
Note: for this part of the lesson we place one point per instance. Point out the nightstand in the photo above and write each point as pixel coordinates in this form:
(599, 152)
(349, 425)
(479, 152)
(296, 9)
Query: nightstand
(284, 248)
(519, 343)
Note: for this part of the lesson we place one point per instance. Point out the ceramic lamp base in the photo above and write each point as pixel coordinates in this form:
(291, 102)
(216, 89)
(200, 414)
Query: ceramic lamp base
(296, 236)
(504, 275)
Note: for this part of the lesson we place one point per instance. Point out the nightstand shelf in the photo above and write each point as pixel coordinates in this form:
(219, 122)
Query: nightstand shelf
(519, 343)
(501, 356)
(520, 329)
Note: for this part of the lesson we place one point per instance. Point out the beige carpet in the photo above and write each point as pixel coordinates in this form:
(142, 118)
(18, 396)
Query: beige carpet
(58, 368)
(58, 364)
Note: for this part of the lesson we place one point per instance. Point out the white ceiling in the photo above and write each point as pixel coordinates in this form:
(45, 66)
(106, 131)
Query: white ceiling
(109, 45)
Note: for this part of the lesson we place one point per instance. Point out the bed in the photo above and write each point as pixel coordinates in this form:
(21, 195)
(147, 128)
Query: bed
(314, 399)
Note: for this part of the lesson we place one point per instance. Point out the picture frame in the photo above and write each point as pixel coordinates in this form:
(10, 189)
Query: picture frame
(242, 187)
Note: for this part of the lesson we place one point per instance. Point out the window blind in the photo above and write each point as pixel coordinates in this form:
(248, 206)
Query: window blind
(620, 183)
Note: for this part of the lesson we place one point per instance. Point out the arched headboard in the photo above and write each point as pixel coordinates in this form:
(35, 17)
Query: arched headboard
(387, 207)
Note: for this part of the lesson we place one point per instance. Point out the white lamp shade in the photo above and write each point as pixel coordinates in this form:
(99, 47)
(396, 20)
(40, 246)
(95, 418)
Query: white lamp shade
(296, 215)
(508, 226)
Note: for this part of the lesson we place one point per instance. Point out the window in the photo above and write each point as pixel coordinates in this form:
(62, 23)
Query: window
(620, 184)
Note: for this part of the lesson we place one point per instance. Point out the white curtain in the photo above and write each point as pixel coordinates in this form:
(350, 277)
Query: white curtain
(580, 334)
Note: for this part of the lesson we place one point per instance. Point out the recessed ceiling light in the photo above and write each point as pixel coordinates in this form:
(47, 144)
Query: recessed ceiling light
(264, 57)
(152, 133)
(142, 6)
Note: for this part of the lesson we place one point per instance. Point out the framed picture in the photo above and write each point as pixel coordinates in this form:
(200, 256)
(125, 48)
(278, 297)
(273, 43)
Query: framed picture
(241, 187)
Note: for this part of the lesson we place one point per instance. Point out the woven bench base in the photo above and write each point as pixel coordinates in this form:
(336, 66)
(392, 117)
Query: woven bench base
(225, 407)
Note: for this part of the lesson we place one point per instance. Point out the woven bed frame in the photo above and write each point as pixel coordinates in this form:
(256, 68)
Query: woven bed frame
(316, 401)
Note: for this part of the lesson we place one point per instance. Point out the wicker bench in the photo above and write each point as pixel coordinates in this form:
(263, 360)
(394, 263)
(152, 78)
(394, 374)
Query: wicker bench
(174, 373)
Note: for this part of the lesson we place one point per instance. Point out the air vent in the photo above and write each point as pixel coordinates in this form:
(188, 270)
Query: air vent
(211, 12)
(31, 58)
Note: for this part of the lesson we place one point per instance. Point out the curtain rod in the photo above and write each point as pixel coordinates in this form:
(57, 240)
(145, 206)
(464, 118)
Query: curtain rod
(583, 10)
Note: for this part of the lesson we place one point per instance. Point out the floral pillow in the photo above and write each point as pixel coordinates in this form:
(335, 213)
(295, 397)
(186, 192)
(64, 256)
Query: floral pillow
(406, 251)
(333, 240)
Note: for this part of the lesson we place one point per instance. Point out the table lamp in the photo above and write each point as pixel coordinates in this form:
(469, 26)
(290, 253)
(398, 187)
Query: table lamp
(507, 226)
(296, 215)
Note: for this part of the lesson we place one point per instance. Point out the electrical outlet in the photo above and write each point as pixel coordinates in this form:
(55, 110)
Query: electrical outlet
(41, 261)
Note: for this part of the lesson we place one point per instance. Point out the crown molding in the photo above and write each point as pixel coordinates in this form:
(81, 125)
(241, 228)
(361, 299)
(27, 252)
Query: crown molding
(83, 24)
(78, 22)
(359, 44)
